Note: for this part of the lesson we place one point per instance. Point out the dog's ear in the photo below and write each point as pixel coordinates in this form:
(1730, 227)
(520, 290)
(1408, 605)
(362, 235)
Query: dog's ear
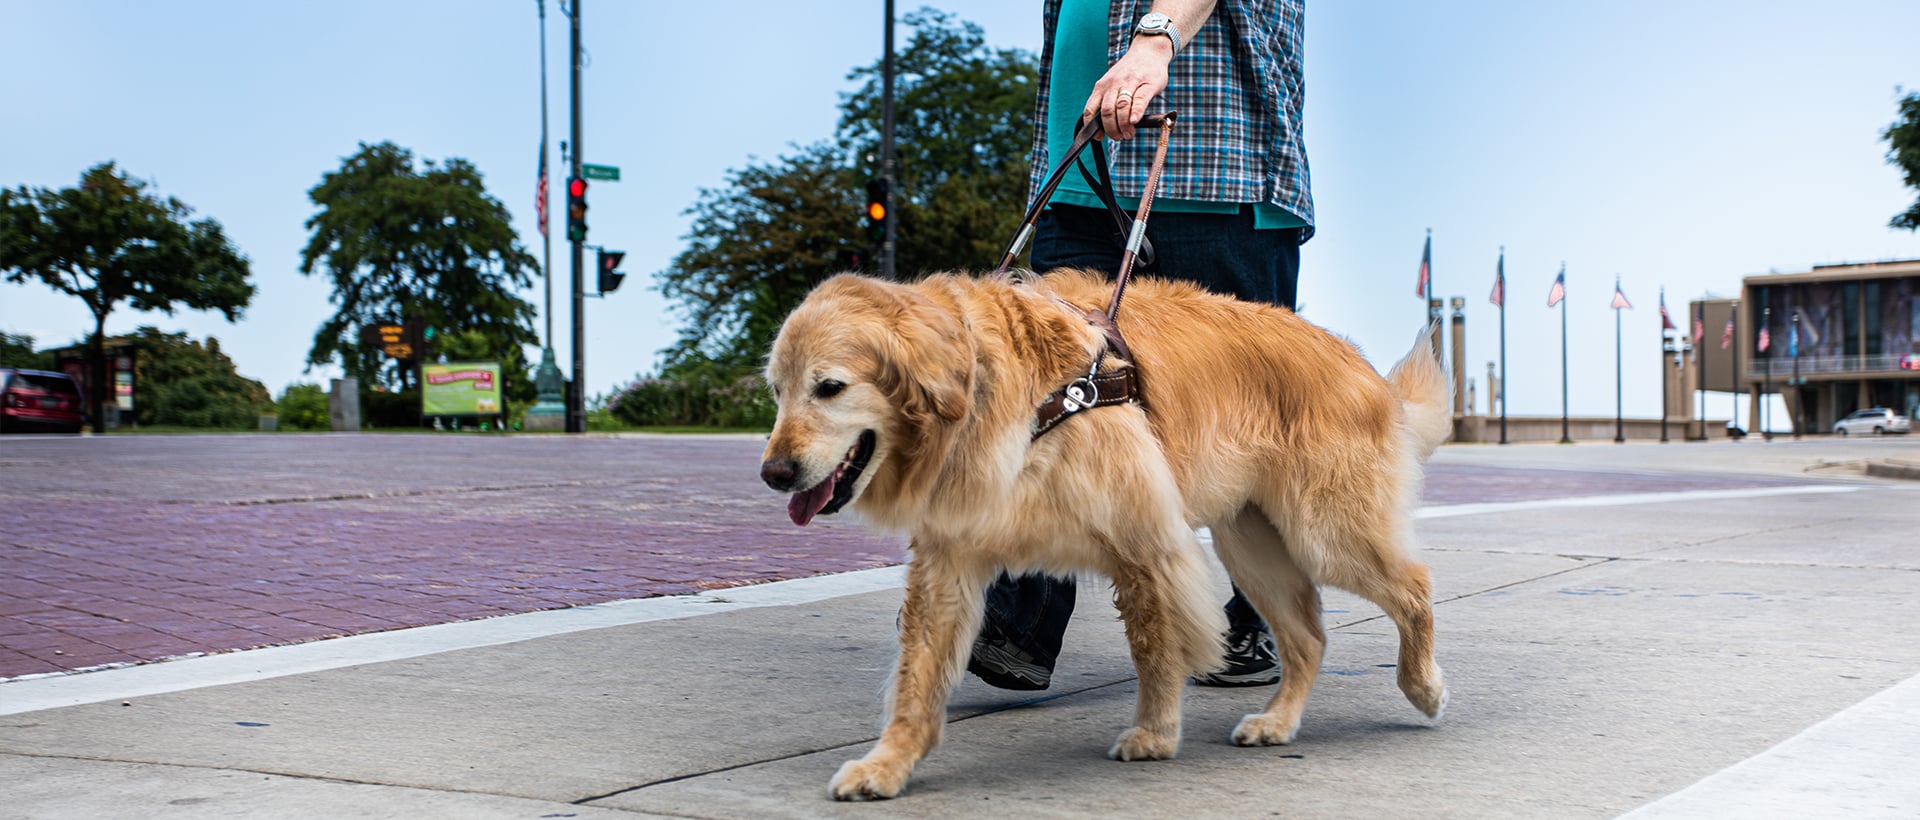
(928, 362)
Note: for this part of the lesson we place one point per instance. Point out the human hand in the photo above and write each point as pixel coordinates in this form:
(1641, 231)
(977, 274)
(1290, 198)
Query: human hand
(1120, 98)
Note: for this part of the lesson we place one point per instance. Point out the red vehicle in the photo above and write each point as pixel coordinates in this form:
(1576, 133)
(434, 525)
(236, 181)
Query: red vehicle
(38, 401)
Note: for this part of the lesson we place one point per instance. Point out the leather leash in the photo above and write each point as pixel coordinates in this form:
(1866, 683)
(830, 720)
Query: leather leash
(1122, 385)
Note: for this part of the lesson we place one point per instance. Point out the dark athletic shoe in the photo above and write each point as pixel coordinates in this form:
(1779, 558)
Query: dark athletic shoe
(1251, 660)
(1001, 664)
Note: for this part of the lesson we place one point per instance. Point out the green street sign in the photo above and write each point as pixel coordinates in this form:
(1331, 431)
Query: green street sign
(606, 172)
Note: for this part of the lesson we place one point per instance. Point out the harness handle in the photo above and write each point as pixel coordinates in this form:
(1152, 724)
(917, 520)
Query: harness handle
(1088, 132)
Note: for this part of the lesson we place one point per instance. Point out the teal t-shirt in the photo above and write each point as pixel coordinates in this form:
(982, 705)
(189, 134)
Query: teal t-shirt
(1079, 61)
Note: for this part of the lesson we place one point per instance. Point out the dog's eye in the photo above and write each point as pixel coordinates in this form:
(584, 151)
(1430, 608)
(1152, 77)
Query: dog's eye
(828, 389)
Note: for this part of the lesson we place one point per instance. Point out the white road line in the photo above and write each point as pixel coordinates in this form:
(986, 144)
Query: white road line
(33, 694)
(1855, 764)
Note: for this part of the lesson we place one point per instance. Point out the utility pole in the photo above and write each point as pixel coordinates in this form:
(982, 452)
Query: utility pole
(576, 397)
(886, 147)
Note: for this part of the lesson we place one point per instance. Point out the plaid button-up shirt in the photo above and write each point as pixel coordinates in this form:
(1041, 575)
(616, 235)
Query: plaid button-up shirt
(1237, 85)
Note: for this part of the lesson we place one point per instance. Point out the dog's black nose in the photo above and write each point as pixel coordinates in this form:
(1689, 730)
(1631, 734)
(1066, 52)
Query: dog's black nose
(780, 473)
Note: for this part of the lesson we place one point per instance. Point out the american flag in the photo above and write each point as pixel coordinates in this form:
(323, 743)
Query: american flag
(1426, 269)
(540, 192)
(1766, 340)
(1499, 296)
(1699, 323)
(1620, 301)
(1726, 339)
(1559, 290)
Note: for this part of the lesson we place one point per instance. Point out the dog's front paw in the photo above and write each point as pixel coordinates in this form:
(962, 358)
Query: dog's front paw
(1140, 744)
(1263, 729)
(867, 780)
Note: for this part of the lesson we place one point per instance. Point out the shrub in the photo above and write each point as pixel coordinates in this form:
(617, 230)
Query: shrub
(303, 407)
(705, 397)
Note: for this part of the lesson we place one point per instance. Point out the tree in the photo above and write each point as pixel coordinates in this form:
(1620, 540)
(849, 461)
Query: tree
(1903, 151)
(192, 384)
(759, 243)
(110, 240)
(401, 243)
(303, 406)
(16, 350)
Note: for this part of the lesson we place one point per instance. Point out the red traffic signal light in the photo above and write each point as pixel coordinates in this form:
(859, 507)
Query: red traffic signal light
(576, 209)
(609, 277)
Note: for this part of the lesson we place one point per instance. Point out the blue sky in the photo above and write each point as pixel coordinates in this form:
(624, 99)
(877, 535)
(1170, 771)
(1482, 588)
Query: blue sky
(1673, 144)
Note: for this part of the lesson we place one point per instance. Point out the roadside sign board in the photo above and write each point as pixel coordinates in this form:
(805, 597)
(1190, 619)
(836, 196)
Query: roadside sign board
(395, 340)
(609, 173)
(461, 389)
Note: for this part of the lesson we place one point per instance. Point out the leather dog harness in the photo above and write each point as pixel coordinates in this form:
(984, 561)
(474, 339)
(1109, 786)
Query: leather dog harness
(1120, 385)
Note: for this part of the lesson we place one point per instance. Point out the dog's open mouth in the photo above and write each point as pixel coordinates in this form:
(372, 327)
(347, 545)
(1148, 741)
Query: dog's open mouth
(827, 497)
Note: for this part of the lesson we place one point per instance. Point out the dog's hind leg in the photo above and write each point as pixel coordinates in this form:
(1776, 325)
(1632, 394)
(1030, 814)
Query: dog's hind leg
(938, 620)
(1174, 627)
(1369, 558)
(1257, 559)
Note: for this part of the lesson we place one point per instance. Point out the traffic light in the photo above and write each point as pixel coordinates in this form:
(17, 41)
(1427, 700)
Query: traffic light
(879, 209)
(577, 209)
(610, 278)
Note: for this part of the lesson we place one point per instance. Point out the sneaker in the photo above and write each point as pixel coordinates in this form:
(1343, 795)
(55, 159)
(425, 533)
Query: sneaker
(1251, 660)
(1001, 664)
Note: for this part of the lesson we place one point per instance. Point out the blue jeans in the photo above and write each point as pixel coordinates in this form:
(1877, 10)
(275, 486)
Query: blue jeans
(1222, 253)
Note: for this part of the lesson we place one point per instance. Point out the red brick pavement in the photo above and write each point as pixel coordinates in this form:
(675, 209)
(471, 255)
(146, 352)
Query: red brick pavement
(131, 549)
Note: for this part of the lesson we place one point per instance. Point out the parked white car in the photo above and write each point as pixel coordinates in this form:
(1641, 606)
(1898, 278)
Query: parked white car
(1872, 421)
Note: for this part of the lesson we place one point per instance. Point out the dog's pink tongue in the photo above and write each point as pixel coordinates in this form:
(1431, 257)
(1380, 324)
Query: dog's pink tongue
(804, 505)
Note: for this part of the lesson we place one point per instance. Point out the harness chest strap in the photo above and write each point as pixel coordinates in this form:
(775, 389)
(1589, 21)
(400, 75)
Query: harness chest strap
(1118, 386)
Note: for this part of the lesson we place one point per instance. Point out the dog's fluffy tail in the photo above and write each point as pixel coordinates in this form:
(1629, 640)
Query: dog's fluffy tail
(1425, 394)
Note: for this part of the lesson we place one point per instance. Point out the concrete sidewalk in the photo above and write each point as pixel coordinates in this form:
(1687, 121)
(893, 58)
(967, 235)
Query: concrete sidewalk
(1743, 650)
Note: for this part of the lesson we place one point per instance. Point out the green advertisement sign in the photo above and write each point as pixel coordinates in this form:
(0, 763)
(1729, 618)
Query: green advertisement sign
(461, 389)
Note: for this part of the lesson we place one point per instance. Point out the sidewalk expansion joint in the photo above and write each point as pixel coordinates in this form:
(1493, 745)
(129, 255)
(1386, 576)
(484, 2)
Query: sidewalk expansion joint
(994, 710)
(308, 499)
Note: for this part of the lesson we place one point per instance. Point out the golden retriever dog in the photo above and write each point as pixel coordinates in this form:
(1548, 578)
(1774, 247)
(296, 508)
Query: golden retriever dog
(914, 404)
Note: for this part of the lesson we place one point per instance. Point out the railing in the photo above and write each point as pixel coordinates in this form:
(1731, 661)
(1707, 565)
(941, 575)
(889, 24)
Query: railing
(1783, 366)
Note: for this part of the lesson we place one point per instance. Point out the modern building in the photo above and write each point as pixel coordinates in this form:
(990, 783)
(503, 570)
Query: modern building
(1832, 340)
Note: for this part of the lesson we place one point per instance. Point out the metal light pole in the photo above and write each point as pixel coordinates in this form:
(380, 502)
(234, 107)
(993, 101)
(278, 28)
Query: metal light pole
(886, 148)
(1795, 412)
(576, 397)
(1739, 383)
(1503, 345)
(1619, 382)
(549, 411)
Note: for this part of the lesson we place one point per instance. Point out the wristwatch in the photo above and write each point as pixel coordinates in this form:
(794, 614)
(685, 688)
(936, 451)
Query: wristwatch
(1156, 24)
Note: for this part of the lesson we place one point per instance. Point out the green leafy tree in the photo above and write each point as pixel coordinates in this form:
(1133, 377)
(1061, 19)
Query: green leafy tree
(403, 242)
(760, 242)
(303, 406)
(110, 240)
(1903, 151)
(192, 384)
(16, 350)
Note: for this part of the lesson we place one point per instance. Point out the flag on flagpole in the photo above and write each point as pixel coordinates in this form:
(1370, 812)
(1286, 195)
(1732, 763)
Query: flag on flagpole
(1426, 269)
(1499, 296)
(1666, 320)
(1559, 290)
(1766, 340)
(540, 193)
(1699, 323)
(1726, 339)
(1620, 301)
(1793, 339)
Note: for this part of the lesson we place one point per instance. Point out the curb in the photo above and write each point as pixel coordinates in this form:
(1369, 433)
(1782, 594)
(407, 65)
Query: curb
(1894, 468)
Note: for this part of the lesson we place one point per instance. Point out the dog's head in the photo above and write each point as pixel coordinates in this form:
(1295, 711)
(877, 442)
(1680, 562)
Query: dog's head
(869, 376)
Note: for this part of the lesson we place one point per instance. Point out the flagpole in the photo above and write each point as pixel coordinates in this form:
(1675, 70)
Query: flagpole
(1566, 436)
(546, 235)
(1766, 378)
(1503, 344)
(1619, 383)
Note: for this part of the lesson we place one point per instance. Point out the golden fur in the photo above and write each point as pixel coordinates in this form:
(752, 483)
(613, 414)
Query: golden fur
(1271, 431)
